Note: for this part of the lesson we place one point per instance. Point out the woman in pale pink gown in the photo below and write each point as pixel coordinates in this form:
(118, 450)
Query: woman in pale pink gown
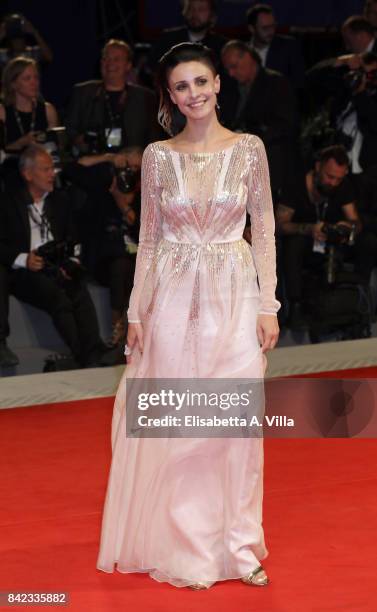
(188, 511)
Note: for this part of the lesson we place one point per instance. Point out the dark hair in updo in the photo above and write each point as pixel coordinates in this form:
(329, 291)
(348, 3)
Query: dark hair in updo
(169, 116)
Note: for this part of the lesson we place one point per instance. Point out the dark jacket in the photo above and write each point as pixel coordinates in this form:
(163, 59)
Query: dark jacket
(86, 111)
(15, 232)
(269, 112)
(284, 55)
(174, 36)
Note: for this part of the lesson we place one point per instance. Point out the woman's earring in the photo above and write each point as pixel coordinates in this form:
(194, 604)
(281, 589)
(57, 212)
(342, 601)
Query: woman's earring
(217, 106)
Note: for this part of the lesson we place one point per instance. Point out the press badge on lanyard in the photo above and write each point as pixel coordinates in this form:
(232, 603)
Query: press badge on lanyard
(129, 243)
(114, 137)
(319, 246)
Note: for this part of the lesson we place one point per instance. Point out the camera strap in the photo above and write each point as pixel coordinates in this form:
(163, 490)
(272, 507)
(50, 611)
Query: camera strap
(113, 118)
(40, 219)
(320, 212)
(19, 122)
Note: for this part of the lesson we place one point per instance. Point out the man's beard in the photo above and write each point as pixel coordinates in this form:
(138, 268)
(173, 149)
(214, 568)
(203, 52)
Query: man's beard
(198, 28)
(323, 190)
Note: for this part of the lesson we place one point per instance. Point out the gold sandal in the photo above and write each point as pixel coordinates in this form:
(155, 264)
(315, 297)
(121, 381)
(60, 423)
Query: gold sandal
(257, 577)
(198, 586)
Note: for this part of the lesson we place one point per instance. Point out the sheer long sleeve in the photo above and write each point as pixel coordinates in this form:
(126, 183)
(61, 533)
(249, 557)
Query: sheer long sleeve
(260, 209)
(150, 229)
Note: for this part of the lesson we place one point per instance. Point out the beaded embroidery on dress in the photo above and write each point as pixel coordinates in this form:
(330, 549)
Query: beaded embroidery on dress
(189, 510)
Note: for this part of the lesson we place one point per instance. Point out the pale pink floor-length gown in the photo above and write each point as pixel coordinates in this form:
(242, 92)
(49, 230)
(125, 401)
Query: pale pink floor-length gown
(189, 510)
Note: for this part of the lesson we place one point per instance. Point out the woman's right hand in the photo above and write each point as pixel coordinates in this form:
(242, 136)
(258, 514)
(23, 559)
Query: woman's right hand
(134, 339)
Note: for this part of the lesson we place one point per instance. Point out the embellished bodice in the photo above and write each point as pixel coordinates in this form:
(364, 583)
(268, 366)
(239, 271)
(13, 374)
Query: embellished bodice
(203, 196)
(199, 200)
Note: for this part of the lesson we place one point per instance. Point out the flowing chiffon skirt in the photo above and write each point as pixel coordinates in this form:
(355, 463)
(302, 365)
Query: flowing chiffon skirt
(187, 510)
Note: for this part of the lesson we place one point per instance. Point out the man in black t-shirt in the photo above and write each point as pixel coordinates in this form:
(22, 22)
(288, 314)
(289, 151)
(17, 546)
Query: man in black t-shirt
(323, 195)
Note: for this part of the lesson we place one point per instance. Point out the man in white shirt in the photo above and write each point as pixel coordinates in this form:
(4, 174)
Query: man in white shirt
(30, 218)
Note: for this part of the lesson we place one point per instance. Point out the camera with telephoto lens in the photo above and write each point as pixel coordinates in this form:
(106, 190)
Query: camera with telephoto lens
(337, 234)
(126, 179)
(57, 256)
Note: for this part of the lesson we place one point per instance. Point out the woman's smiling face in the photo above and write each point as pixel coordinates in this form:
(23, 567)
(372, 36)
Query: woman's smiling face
(193, 88)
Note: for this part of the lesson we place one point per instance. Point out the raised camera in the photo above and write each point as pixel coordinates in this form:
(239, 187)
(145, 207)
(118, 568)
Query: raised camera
(126, 179)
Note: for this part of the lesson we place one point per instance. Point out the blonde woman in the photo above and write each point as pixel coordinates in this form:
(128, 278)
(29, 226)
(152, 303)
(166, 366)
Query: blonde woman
(24, 112)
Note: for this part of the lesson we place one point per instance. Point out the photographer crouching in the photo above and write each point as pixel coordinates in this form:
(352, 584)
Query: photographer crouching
(316, 213)
(39, 258)
(110, 225)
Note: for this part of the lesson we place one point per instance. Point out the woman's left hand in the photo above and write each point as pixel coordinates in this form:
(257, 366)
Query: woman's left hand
(267, 331)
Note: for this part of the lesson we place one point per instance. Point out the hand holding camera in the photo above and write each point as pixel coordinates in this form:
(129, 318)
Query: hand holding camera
(119, 160)
(34, 262)
(58, 260)
(352, 60)
(317, 231)
(338, 233)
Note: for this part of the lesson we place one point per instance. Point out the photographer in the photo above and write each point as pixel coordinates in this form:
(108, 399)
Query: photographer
(357, 119)
(18, 36)
(347, 86)
(110, 224)
(319, 204)
(110, 114)
(42, 272)
(358, 36)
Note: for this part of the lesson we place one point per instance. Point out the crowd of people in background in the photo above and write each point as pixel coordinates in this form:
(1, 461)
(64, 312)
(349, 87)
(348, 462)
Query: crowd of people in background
(70, 180)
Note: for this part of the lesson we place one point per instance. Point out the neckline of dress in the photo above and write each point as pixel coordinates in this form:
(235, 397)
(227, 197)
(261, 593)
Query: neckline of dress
(205, 153)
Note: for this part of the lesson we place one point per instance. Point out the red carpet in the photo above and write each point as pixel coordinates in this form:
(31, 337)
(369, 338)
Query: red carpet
(319, 518)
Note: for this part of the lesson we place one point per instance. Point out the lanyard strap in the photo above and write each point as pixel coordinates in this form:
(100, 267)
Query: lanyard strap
(41, 220)
(19, 122)
(321, 214)
(113, 117)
